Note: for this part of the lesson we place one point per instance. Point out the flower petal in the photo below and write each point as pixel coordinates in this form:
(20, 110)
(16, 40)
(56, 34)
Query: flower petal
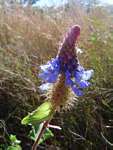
(68, 80)
(77, 91)
(87, 74)
(49, 76)
(51, 65)
(50, 71)
(77, 76)
(84, 84)
(45, 86)
(80, 68)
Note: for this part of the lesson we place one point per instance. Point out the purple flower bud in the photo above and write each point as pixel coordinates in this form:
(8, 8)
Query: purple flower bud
(70, 39)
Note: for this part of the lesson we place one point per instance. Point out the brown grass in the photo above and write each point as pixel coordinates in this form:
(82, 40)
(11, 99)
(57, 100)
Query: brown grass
(30, 37)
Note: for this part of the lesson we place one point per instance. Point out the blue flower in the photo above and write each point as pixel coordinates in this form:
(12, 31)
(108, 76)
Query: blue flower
(66, 63)
(75, 75)
(50, 71)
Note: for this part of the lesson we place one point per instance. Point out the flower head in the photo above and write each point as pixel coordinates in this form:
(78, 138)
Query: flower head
(66, 63)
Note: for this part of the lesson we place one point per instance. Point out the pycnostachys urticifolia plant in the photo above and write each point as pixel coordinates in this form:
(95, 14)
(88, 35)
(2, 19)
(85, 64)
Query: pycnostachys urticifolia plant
(67, 79)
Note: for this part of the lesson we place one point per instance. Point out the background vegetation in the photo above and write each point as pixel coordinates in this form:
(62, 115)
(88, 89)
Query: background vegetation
(29, 37)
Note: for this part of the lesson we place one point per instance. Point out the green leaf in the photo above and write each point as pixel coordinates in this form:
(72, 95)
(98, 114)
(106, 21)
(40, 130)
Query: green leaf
(48, 134)
(42, 113)
(16, 147)
(33, 132)
(35, 129)
(14, 140)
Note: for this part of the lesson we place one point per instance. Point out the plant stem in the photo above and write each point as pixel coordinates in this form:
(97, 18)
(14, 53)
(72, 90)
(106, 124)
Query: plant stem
(40, 133)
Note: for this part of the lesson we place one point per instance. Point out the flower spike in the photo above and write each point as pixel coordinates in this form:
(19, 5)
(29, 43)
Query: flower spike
(66, 63)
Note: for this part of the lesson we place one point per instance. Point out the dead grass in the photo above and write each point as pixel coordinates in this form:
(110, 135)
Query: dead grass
(30, 37)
